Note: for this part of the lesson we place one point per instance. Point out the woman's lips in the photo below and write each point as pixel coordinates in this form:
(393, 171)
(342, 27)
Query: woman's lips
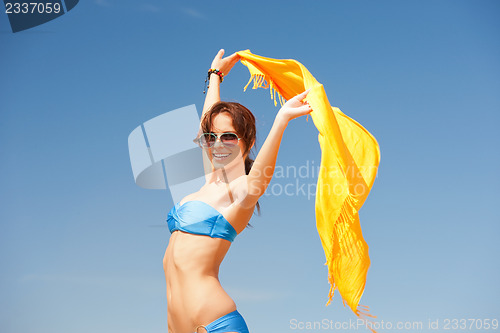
(219, 156)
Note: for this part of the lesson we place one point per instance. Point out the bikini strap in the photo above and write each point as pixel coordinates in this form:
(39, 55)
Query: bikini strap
(202, 326)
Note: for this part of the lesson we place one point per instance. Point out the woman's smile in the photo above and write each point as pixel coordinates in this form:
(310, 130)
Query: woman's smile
(220, 156)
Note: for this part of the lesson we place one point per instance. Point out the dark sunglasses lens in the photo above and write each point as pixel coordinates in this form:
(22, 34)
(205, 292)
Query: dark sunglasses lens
(229, 139)
(207, 140)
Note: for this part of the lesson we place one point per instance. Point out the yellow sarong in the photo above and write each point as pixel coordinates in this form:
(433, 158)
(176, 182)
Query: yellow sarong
(349, 161)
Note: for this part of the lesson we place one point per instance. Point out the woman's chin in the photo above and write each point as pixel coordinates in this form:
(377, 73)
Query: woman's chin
(218, 165)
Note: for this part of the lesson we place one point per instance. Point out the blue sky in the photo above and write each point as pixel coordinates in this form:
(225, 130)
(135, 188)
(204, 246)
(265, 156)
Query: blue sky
(82, 245)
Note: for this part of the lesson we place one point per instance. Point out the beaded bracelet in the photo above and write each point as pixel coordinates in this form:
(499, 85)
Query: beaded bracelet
(210, 71)
(216, 71)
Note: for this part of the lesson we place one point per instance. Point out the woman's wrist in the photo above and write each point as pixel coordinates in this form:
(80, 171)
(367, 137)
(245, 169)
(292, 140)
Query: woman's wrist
(214, 78)
(281, 120)
(217, 72)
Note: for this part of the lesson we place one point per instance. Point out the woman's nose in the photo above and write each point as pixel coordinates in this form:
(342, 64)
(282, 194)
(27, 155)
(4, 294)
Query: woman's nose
(218, 142)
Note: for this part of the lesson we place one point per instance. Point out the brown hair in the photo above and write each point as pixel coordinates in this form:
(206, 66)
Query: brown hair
(243, 122)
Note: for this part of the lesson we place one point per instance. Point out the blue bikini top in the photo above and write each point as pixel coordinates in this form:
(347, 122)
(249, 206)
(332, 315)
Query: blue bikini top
(198, 217)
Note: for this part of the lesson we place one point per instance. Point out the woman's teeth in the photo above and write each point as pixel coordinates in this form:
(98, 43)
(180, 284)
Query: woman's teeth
(221, 156)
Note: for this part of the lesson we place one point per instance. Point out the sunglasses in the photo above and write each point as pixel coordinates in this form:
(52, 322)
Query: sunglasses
(228, 139)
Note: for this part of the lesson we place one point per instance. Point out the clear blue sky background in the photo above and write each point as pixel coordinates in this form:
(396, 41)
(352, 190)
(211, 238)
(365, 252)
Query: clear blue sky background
(82, 245)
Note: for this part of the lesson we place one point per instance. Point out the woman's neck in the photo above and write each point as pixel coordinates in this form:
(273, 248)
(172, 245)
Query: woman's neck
(227, 173)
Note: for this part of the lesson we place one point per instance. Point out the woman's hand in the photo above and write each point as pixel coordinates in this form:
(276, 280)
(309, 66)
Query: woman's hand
(224, 64)
(295, 107)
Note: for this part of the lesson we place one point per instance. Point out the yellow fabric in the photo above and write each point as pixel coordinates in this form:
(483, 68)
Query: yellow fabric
(349, 161)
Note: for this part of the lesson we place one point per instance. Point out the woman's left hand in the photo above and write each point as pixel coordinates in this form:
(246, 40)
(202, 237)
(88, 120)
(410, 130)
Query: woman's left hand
(295, 107)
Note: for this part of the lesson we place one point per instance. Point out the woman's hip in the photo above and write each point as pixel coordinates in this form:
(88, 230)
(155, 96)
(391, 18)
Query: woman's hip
(231, 322)
(199, 303)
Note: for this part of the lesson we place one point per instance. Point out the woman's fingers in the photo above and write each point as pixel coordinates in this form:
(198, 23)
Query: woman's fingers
(224, 64)
(303, 95)
(301, 111)
(218, 58)
(296, 107)
(233, 58)
(306, 107)
(220, 54)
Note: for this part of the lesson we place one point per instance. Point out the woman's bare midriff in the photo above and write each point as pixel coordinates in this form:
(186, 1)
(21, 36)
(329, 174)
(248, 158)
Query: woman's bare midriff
(194, 294)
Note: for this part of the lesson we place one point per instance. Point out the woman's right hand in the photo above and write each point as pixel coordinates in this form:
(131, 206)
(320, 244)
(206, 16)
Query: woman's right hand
(224, 64)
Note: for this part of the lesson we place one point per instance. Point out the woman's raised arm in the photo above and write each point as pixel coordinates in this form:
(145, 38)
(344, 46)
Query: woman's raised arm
(224, 65)
(263, 167)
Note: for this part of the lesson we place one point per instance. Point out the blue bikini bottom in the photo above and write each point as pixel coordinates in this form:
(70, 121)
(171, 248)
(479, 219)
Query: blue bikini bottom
(232, 322)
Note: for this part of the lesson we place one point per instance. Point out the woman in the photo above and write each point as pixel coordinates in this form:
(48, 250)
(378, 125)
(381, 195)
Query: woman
(204, 223)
